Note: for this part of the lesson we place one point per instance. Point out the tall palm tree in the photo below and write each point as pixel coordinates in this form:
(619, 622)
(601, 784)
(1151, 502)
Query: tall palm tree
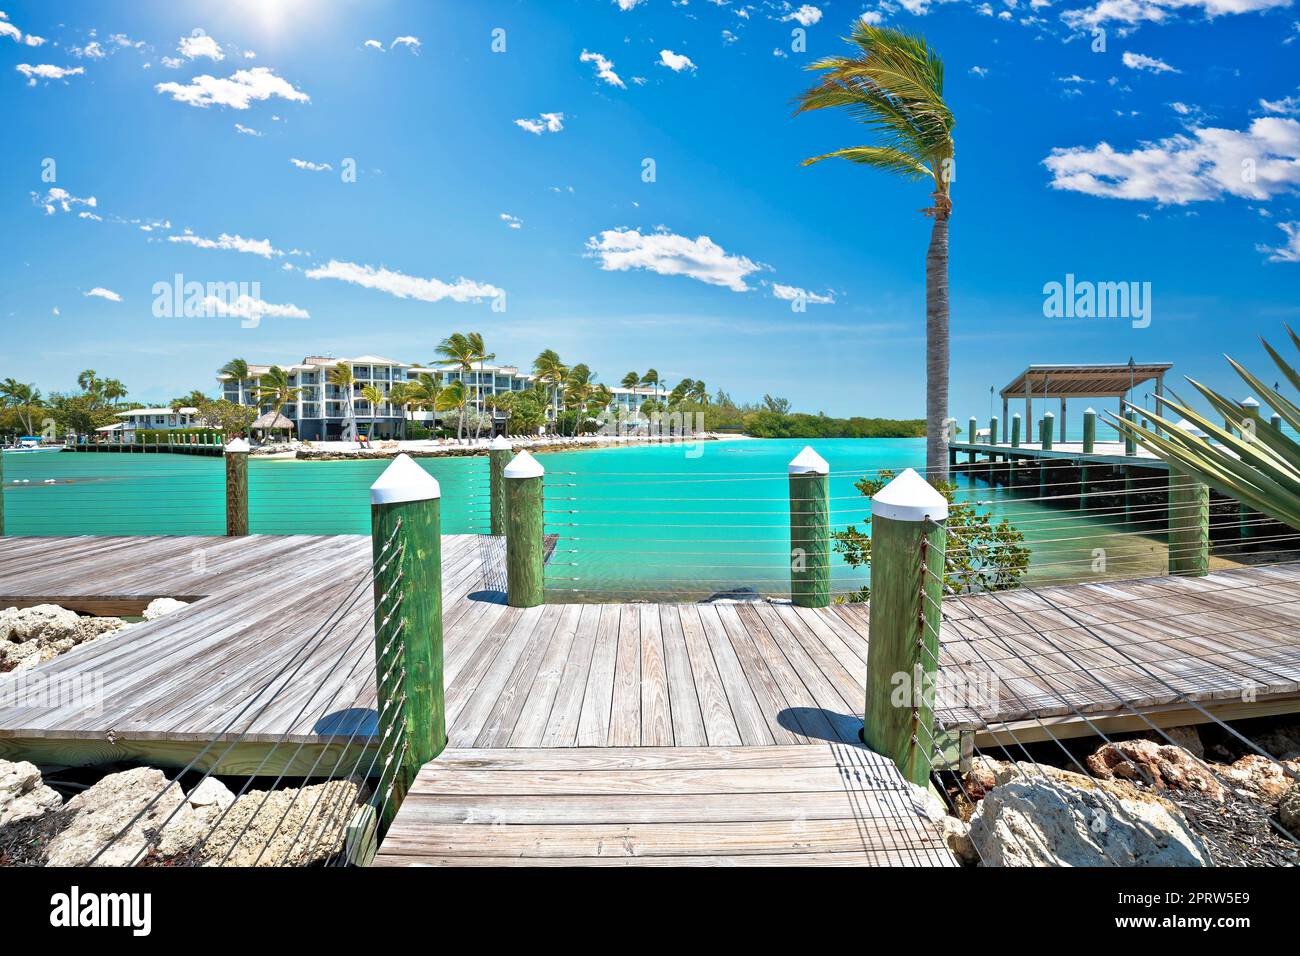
(450, 397)
(893, 83)
(341, 376)
(651, 377)
(25, 399)
(481, 355)
(578, 391)
(403, 395)
(274, 387)
(374, 396)
(551, 371)
(458, 349)
(699, 392)
(89, 383)
(631, 380)
(237, 369)
(114, 391)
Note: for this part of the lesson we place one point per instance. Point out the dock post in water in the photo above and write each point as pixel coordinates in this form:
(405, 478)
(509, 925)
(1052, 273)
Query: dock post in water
(1189, 525)
(1043, 463)
(237, 488)
(1089, 445)
(810, 531)
(972, 431)
(1015, 430)
(525, 583)
(406, 547)
(907, 564)
(499, 454)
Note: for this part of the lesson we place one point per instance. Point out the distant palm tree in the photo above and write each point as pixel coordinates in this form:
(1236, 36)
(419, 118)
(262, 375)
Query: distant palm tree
(450, 397)
(236, 369)
(699, 392)
(894, 84)
(631, 380)
(403, 395)
(578, 392)
(25, 399)
(341, 376)
(89, 382)
(551, 371)
(481, 355)
(374, 396)
(458, 349)
(651, 378)
(274, 387)
(114, 391)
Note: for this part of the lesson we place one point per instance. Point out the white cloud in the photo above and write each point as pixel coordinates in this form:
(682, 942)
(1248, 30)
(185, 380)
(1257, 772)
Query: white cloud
(514, 222)
(99, 292)
(374, 45)
(310, 166)
(1289, 251)
(604, 68)
(7, 29)
(237, 91)
(979, 71)
(47, 71)
(1287, 106)
(675, 61)
(404, 286)
(1204, 163)
(247, 307)
(199, 44)
(1140, 61)
(872, 18)
(807, 15)
(545, 123)
(91, 51)
(246, 130)
(1135, 12)
(791, 293)
(411, 43)
(257, 247)
(779, 53)
(59, 198)
(620, 250)
(627, 4)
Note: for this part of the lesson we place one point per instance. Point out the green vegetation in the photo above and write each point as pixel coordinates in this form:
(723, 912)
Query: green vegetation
(1248, 460)
(893, 83)
(981, 555)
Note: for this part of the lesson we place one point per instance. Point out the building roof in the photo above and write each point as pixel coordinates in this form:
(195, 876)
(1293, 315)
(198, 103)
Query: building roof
(134, 412)
(271, 420)
(1083, 381)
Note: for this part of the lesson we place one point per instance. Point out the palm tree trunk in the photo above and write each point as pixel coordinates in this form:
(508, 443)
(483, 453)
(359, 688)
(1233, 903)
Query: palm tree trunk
(936, 350)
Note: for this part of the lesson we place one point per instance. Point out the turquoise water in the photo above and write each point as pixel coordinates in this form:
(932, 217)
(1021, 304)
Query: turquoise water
(636, 522)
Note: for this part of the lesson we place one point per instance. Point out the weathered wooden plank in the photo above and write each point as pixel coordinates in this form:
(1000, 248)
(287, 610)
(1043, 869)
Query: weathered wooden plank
(656, 709)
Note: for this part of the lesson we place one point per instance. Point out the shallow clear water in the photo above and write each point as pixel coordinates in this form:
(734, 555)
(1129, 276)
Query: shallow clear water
(635, 522)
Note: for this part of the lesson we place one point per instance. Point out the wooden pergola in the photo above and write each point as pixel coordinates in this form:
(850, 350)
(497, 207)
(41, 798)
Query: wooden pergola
(1064, 382)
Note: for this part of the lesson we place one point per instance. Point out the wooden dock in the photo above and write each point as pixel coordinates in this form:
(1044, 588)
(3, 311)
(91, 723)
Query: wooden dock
(585, 683)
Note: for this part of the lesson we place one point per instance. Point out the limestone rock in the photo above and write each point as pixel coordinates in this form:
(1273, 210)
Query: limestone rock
(1189, 738)
(284, 827)
(47, 622)
(1055, 822)
(99, 813)
(982, 776)
(1288, 809)
(1259, 778)
(23, 793)
(1162, 766)
(211, 792)
(160, 606)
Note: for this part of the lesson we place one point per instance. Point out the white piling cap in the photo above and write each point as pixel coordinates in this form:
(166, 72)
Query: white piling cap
(523, 465)
(500, 443)
(1048, 415)
(1016, 415)
(1090, 411)
(808, 462)
(909, 497)
(1191, 429)
(404, 480)
(1249, 402)
(237, 446)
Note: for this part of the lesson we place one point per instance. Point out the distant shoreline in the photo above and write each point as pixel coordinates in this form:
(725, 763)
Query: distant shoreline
(350, 451)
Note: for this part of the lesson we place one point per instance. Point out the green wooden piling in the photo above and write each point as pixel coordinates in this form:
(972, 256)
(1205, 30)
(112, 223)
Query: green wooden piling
(1189, 525)
(499, 454)
(810, 531)
(1276, 421)
(972, 431)
(237, 488)
(1048, 421)
(1015, 430)
(907, 560)
(406, 548)
(993, 430)
(1089, 431)
(1130, 446)
(525, 581)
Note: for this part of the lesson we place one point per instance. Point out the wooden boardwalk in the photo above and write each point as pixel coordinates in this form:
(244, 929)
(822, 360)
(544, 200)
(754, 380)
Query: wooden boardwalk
(271, 668)
(821, 805)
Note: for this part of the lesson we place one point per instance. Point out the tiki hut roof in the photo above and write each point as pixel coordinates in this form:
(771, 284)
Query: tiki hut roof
(272, 422)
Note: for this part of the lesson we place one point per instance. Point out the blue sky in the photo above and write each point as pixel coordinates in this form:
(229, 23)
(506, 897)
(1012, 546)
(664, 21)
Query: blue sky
(434, 173)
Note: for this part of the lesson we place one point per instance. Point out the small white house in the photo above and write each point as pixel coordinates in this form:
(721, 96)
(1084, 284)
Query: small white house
(152, 419)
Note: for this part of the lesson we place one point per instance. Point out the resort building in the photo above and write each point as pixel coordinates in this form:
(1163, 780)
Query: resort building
(150, 419)
(321, 411)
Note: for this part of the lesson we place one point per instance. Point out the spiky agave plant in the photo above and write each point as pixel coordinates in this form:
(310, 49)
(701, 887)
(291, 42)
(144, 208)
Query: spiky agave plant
(1251, 461)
